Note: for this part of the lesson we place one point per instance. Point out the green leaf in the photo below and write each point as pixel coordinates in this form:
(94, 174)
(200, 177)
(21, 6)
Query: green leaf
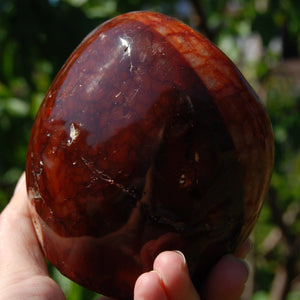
(17, 107)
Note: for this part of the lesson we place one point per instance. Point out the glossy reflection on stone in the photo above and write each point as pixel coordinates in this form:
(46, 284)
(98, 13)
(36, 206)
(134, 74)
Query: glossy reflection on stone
(149, 139)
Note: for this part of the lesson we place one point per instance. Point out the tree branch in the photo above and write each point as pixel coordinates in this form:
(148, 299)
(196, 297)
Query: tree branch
(202, 24)
(277, 216)
(287, 269)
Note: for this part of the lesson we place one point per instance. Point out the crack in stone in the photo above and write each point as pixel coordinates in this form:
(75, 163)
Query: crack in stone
(107, 178)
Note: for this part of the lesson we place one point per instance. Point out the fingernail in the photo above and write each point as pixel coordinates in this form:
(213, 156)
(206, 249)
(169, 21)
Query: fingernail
(160, 278)
(163, 295)
(246, 265)
(154, 271)
(182, 255)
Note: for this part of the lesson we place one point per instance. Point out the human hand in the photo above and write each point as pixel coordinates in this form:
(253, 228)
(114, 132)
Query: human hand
(24, 274)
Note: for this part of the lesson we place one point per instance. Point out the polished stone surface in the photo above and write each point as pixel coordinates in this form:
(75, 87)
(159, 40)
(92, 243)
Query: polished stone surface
(148, 139)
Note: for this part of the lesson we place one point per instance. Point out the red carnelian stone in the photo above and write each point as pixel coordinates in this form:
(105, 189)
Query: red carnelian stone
(149, 139)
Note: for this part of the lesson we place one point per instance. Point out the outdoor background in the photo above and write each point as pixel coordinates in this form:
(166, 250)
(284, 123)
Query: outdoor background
(261, 36)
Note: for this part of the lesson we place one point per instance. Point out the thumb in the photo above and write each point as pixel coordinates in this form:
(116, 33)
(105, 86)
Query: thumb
(23, 269)
(17, 234)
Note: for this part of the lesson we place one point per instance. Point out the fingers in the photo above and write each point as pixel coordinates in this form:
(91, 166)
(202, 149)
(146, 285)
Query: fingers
(150, 286)
(227, 279)
(168, 280)
(23, 270)
(175, 276)
(17, 234)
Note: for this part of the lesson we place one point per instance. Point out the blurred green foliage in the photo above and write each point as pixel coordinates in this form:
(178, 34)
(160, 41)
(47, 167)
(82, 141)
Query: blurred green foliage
(261, 36)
